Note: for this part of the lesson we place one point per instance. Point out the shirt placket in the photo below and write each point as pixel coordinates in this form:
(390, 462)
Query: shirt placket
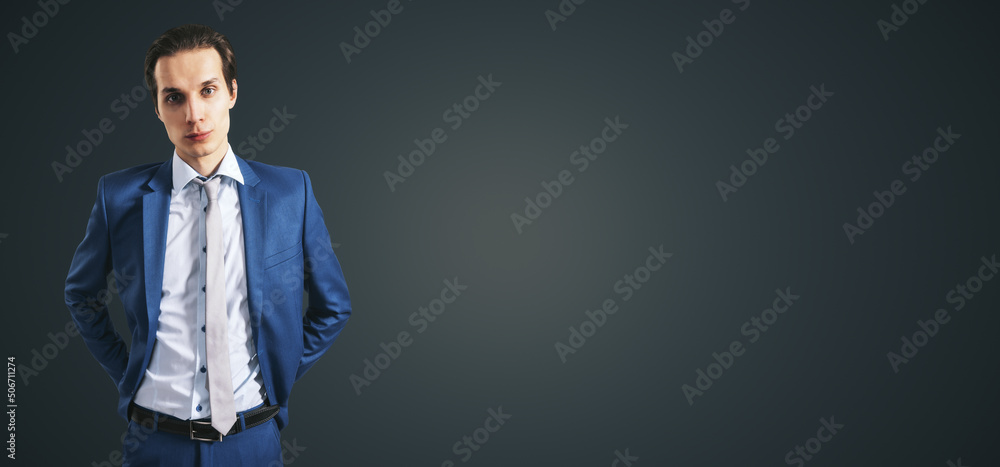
(199, 396)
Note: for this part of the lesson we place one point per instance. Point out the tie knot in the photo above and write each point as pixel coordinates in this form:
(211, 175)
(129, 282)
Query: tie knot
(211, 186)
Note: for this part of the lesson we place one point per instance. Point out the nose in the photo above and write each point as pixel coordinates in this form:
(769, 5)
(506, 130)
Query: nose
(195, 111)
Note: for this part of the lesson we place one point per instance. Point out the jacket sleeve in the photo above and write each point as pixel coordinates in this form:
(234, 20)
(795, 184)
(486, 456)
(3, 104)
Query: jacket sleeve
(329, 302)
(87, 293)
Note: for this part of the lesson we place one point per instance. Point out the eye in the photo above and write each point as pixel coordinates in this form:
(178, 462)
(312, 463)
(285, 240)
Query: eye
(208, 91)
(172, 98)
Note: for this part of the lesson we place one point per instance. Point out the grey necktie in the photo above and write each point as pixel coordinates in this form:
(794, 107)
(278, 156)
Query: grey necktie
(220, 382)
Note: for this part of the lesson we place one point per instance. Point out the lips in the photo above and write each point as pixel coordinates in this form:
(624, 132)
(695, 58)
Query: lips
(198, 136)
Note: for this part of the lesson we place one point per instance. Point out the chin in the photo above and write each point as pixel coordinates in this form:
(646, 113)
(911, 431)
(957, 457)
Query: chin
(200, 149)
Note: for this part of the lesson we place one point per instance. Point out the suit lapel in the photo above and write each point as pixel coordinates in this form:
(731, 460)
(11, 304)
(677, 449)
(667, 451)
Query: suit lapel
(253, 208)
(155, 211)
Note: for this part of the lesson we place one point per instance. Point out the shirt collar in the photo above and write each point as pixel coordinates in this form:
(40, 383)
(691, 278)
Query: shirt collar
(183, 173)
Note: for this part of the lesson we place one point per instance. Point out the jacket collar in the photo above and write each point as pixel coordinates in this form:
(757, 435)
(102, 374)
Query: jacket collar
(164, 177)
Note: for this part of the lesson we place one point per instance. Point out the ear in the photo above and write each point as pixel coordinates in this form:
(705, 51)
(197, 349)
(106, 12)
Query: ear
(156, 110)
(232, 97)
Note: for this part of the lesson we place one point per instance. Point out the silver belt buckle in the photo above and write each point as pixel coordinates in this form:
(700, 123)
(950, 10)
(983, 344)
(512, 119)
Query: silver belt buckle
(201, 424)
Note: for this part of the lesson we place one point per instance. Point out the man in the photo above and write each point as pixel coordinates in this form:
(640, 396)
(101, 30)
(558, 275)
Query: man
(221, 251)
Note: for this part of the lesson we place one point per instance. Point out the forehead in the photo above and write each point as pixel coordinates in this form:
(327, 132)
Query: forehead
(188, 68)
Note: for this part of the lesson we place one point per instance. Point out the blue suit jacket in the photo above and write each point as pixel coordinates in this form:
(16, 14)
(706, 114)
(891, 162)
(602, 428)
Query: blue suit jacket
(283, 233)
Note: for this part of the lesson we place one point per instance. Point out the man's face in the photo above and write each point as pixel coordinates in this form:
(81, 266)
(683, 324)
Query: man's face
(193, 102)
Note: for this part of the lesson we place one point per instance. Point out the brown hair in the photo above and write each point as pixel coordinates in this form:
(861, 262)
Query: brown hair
(189, 37)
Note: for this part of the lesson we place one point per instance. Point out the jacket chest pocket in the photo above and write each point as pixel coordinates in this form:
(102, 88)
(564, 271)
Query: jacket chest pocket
(283, 255)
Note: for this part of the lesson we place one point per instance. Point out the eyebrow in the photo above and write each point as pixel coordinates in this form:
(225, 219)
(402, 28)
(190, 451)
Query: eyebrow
(204, 84)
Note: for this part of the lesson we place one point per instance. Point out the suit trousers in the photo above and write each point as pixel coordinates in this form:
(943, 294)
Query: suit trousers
(145, 446)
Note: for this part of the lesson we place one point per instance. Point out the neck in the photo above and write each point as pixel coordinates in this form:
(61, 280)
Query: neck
(205, 165)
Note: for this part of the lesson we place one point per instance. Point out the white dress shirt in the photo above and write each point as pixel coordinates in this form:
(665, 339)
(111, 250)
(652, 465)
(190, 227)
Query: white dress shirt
(175, 382)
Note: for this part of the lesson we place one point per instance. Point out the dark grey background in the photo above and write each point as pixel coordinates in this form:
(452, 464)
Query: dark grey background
(654, 185)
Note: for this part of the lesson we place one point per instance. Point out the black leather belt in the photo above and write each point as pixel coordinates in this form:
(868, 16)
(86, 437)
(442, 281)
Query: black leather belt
(200, 430)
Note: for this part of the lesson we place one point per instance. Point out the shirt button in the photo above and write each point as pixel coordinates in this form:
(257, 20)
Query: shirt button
(203, 288)
(198, 408)
(202, 328)
(202, 369)
(205, 249)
